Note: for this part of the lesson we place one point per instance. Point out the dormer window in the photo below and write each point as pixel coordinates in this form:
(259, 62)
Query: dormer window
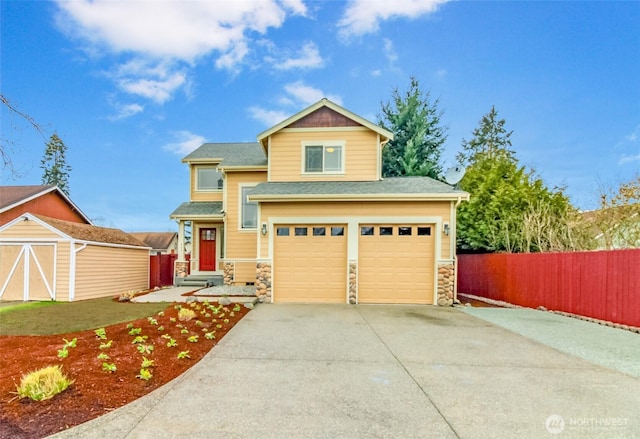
(208, 179)
(323, 158)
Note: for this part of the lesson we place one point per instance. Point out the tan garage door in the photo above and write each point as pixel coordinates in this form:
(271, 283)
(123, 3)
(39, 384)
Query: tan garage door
(310, 263)
(396, 263)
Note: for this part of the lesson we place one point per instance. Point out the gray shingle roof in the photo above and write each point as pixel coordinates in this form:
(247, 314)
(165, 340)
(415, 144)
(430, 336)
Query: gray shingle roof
(231, 154)
(418, 186)
(198, 209)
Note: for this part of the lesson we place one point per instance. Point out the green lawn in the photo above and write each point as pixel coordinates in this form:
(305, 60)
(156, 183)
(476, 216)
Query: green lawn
(48, 318)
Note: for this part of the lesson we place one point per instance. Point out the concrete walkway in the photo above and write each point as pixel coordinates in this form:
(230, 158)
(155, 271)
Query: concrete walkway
(340, 371)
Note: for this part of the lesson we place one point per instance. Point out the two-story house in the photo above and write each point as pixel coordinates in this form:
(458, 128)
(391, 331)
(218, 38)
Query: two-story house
(305, 215)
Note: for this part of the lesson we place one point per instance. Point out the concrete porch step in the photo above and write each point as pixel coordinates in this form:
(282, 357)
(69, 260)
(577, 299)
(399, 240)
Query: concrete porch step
(199, 280)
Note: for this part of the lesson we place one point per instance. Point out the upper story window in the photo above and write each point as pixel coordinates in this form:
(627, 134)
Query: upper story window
(208, 179)
(249, 213)
(323, 158)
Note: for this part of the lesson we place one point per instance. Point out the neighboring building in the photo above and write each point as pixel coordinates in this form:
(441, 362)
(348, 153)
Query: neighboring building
(51, 259)
(305, 215)
(161, 243)
(45, 200)
(615, 227)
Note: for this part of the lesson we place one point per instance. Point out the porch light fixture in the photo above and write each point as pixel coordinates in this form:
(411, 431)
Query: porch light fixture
(263, 230)
(446, 229)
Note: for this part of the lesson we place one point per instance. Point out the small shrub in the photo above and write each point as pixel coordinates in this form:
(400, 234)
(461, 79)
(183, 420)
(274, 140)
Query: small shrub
(140, 339)
(167, 336)
(43, 383)
(236, 308)
(145, 374)
(135, 331)
(184, 354)
(184, 331)
(109, 367)
(126, 296)
(193, 339)
(161, 313)
(103, 356)
(146, 363)
(106, 345)
(172, 343)
(101, 333)
(145, 348)
(210, 335)
(186, 314)
(160, 328)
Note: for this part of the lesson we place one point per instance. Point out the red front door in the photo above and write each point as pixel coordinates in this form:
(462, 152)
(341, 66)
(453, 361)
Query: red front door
(207, 249)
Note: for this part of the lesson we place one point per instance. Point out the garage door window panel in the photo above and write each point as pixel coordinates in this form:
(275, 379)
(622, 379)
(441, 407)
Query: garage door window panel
(282, 231)
(404, 231)
(319, 231)
(386, 231)
(300, 231)
(424, 231)
(366, 230)
(337, 231)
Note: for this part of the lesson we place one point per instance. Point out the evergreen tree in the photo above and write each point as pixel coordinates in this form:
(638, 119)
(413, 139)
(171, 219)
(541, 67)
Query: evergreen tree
(418, 135)
(511, 209)
(54, 164)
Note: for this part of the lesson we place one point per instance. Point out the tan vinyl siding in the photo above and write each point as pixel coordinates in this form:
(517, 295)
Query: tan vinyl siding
(245, 272)
(30, 230)
(240, 243)
(438, 209)
(104, 271)
(196, 195)
(360, 155)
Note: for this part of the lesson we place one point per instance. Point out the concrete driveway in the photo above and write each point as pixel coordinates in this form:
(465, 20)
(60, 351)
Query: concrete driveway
(334, 371)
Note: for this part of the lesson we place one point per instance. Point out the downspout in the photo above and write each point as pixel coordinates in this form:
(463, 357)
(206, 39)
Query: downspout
(382, 144)
(72, 269)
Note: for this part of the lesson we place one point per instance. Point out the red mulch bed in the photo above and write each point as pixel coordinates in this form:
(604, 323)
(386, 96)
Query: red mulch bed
(94, 391)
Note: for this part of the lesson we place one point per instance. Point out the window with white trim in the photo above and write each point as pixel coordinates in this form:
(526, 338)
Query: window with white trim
(249, 215)
(208, 179)
(323, 158)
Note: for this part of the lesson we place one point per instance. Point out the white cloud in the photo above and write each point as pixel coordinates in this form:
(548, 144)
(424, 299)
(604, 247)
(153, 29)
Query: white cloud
(307, 95)
(268, 117)
(185, 143)
(441, 73)
(634, 136)
(628, 159)
(171, 33)
(364, 16)
(308, 57)
(124, 111)
(298, 95)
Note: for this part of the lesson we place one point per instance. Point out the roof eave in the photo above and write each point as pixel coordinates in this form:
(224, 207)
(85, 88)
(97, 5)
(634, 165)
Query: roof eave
(463, 196)
(243, 168)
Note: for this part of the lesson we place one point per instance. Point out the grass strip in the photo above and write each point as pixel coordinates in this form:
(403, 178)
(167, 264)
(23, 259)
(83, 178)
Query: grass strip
(68, 317)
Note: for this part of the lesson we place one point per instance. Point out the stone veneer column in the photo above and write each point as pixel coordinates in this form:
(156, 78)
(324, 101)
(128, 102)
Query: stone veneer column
(181, 269)
(353, 282)
(229, 269)
(263, 281)
(446, 278)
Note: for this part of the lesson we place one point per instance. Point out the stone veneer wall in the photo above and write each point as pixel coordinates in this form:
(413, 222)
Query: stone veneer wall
(353, 281)
(181, 268)
(263, 281)
(446, 277)
(229, 269)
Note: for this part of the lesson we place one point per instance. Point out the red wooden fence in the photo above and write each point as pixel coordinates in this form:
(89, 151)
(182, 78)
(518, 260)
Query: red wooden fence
(603, 285)
(161, 270)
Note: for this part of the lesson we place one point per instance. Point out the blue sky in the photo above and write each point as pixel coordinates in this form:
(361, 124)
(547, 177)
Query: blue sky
(131, 87)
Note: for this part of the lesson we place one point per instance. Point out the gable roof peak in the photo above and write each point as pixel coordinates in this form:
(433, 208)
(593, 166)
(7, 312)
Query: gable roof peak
(324, 102)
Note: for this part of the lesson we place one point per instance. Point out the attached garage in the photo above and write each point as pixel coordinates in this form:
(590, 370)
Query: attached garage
(310, 263)
(49, 259)
(396, 263)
